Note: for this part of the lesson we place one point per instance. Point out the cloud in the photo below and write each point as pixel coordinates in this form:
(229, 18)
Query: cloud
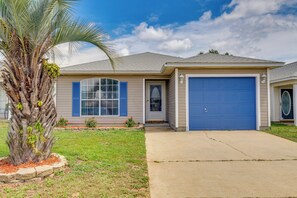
(206, 16)
(153, 18)
(122, 28)
(253, 28)
(81, 55)
(250, 8)
(176, 45)
(145, 32)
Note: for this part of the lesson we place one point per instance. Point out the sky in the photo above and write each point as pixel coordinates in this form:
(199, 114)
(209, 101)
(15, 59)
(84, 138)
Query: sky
(264, 29)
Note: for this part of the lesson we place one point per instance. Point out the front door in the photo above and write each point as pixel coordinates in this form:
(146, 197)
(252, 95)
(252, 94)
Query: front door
(287, 103)
(155, 101)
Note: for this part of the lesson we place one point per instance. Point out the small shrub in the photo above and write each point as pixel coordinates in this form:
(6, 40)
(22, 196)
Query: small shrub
(130, 122)
(62, 122)
(91, 122)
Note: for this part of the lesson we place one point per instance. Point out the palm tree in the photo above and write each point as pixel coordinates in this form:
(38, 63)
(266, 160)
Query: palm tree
(29, 32)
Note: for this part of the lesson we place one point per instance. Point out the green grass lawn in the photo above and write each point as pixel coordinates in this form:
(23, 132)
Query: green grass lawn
(101, 164)
(284, 131)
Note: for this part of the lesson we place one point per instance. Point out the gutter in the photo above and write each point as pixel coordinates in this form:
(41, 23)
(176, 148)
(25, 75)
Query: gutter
(284, 79)
(221, 65)
(232, 64)
(147, 72)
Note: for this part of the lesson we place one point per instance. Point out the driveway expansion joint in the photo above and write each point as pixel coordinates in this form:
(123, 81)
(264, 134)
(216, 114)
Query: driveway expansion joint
(243, 160)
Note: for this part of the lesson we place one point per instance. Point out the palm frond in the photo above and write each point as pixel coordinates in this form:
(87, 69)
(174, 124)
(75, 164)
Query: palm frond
(40, 25)
(76, 31)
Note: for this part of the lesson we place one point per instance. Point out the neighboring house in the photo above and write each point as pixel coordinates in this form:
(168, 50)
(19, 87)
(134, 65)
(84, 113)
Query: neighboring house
(3, 102)
(283, 82)
(204, 92)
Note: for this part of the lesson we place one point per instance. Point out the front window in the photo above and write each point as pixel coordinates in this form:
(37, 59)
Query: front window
(99, 97)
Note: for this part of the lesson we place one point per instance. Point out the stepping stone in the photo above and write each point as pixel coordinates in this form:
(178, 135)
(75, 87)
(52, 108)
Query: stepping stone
(25, 173)
(7, 177)
(43, 171)
(58, 166)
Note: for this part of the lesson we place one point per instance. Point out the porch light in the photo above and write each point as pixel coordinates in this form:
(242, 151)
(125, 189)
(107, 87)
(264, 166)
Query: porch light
(181, 78)
(263, 78)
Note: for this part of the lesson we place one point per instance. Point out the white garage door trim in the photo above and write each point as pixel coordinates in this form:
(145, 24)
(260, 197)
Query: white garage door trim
(257, 76)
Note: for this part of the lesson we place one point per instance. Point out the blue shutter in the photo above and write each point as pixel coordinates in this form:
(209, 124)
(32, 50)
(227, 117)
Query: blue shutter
(75, 99)
(123, 99)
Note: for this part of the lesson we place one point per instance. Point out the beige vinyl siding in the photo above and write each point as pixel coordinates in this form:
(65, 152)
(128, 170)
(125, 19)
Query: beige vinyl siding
(135, 96)
(275, 104)
(171, 97)
(263, 92)
(135, 99)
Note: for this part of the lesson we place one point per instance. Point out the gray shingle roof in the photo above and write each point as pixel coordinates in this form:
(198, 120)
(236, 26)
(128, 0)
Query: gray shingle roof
(152, 63)
(220, 58)
(137, 63)
(286, 72)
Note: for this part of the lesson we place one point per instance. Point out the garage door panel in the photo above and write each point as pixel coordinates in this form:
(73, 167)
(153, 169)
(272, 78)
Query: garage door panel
(198, 110)
(210, 85)
(226, 103)
(211, 124)
(211, 96)
(197, 97)
(226, 108)
(241, 124)
(199, 122)
(225, 123)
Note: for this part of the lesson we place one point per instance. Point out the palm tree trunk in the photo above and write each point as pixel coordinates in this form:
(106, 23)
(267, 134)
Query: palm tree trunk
(33, 113)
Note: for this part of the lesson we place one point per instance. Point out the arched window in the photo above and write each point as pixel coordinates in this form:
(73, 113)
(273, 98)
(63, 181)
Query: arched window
(99, 97)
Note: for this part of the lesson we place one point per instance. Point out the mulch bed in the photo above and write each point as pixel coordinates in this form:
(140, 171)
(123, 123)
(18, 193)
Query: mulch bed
(6, 167)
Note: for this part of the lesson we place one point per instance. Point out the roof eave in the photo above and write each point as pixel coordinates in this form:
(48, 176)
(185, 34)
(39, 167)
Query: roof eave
(283, 79)
(225, 65)
(95, 72)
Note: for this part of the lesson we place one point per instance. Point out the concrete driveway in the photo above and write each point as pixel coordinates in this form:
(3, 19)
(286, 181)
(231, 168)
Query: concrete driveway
(220, 164)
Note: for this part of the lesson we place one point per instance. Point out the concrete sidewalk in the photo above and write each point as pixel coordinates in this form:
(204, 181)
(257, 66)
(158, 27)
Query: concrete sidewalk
(221, 164)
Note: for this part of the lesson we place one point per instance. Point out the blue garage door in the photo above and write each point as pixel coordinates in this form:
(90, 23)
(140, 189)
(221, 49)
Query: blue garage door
(222, 103)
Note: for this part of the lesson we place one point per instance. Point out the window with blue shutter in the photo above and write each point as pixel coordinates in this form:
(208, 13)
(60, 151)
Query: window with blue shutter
(75, 99)
(123, 99)
(100, 97)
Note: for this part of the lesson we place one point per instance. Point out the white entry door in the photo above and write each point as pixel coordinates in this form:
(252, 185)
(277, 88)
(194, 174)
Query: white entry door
(155, 101)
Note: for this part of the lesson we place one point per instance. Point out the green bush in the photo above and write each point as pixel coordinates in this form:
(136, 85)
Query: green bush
(62, 122)
(91, 122)
(130, 122)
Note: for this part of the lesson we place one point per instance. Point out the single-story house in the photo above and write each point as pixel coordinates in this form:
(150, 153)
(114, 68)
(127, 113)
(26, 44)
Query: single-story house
(203, 92)
(283, 82)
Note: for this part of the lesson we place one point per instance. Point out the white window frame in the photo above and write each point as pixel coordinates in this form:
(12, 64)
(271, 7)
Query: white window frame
(99, 98)
(256, 76)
